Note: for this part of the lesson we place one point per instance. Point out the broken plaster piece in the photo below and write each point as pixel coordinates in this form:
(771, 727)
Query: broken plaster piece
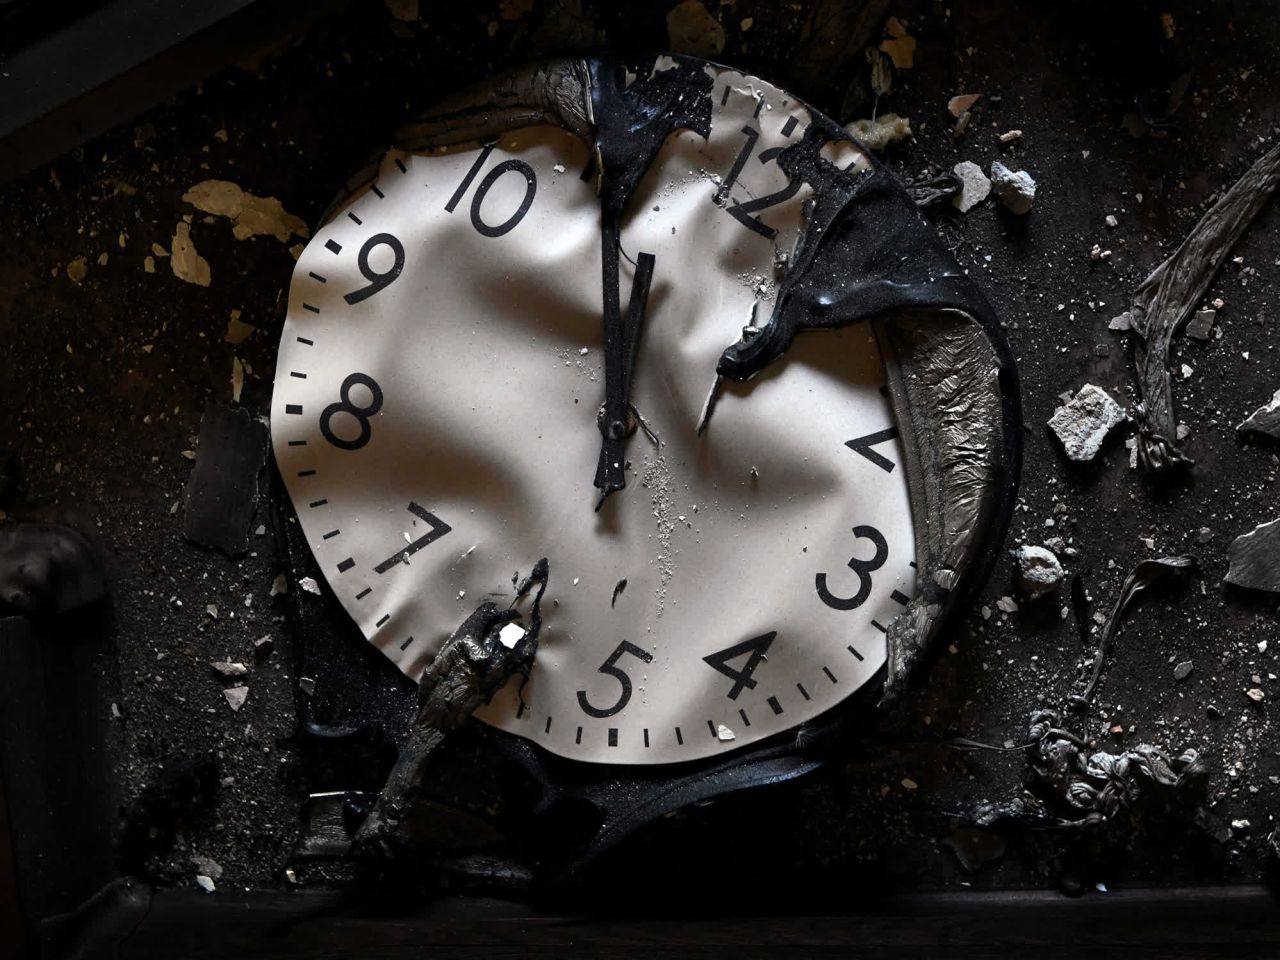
(883, 130)
(1255, 559)
(186, 263)
(692, 30)
(237, 330)
(959, 106)
(251, 216)
(974, 185)
(1084, 422)
(1017, 191)
(1265, 420)
(898, 44)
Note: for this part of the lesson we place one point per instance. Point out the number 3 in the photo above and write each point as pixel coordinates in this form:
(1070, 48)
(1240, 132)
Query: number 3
(862, 568)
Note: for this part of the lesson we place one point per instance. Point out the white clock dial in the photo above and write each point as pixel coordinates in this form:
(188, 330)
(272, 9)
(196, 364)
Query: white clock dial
(435, 420)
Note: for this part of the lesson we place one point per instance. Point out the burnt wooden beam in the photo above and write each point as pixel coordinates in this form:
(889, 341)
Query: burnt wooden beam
(1142, 924)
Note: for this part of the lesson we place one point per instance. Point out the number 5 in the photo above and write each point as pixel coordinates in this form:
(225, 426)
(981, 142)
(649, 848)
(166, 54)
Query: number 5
(624, 697)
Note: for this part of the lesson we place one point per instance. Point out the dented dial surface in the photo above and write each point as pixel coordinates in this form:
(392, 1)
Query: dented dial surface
(438, 391)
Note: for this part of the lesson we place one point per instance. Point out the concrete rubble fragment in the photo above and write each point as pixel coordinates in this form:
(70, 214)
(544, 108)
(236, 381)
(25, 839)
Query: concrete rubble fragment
(1200, 326)
(1082, 424)
(1039, 572)
(1183, 670)
(958, 106)
(236, 696)
(229, 668)
(1254, 559)
(1265, 420)
(1017, 191)
(974, 185)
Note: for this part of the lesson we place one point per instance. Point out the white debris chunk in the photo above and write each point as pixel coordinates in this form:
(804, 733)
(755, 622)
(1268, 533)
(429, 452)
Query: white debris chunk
(974, 185)
(1017, 191)
(1084, 422)
(510, 635)
(236, 696)
(309, 584)
(1039, 572)
(229, 669)
(204, 883)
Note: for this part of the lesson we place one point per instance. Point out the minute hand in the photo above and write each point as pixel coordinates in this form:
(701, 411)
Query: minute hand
(621, 343)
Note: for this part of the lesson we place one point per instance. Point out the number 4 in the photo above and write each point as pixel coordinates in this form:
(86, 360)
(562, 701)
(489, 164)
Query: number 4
(755, 649)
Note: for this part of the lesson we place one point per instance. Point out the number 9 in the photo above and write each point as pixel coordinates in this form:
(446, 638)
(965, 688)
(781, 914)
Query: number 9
(377, 281)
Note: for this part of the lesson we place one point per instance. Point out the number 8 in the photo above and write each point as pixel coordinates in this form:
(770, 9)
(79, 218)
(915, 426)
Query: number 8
(361, 413)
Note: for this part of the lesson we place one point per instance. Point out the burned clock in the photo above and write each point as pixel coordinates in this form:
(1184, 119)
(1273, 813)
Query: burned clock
(667, 327)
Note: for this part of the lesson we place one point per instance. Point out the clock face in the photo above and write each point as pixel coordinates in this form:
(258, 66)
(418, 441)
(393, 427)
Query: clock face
(437, 422)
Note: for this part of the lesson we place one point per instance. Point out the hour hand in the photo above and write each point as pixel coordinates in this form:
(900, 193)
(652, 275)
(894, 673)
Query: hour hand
(621, 343)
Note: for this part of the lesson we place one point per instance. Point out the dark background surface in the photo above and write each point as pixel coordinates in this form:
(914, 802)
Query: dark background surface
(103, 381)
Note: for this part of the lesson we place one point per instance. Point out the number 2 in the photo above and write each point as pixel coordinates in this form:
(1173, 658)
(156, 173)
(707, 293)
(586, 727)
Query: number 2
(862, 568)
(624, 681)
